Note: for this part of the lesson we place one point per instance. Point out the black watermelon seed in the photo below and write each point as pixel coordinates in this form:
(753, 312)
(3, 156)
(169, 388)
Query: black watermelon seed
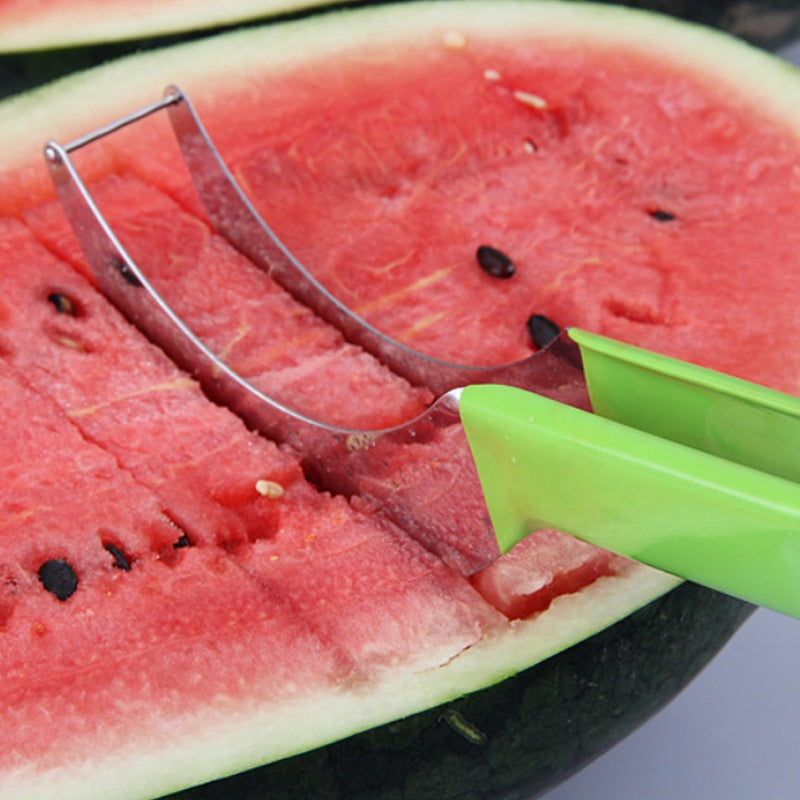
(58, 577)
(62, 303)
(126, 272)
(660, 215)
(120, 559)
(542, 330)
(495, 262)
(183, 541)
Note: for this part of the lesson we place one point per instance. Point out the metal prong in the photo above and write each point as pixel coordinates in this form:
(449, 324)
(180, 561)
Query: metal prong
(170, 98)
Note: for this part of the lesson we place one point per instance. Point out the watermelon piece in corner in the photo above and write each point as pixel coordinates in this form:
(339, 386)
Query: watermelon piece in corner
(543, 566)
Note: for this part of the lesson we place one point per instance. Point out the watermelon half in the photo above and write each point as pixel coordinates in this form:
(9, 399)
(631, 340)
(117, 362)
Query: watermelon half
(179, 601)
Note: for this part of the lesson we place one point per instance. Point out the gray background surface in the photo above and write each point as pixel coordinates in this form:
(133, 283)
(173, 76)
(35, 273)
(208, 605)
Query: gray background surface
(733, 734)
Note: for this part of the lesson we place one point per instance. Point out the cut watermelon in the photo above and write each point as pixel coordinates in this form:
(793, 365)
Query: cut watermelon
(270, 339)
(386, 181)
(539, 569)
(215, 503)
(83, 361)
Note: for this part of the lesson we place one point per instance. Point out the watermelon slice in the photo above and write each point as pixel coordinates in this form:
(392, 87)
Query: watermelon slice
(281, 348)
(375, 173)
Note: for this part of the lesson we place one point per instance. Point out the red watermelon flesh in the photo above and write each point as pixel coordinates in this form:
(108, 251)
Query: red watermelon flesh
(539, 569)
(380, 596)
(251, 323)
(106, 665)
(373, 164)
(126, 396)
(99, 647)
(325, 591)
(429, 488)
(642, 228)
(514, 145)
(287, 352)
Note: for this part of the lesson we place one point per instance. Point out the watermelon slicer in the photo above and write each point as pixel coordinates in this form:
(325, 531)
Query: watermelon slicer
(682, 468)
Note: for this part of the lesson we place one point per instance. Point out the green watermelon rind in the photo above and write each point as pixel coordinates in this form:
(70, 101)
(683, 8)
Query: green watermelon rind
(206, 748)
(78, 24)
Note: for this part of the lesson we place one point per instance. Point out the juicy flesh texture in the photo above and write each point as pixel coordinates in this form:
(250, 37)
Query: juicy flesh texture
(171, 480)
(282, 349)
(257, 328)
(508, 146)
(518, 590)
(560, 157)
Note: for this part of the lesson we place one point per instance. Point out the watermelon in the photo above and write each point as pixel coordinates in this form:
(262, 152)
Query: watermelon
(212, 608)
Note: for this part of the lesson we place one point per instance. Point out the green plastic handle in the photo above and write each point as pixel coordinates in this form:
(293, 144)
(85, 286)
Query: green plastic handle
(717, 413)
(695, 514)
